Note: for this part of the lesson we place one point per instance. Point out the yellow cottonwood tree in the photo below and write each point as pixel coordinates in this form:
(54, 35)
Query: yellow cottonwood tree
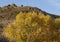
(32, 27)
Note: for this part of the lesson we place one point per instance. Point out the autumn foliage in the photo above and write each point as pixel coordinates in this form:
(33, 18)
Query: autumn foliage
(33, 27)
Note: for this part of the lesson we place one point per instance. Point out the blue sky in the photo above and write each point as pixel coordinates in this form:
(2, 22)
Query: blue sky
(50, 6)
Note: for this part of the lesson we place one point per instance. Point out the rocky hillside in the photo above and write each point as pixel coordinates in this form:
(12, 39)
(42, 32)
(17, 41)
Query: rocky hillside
(9, 12)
